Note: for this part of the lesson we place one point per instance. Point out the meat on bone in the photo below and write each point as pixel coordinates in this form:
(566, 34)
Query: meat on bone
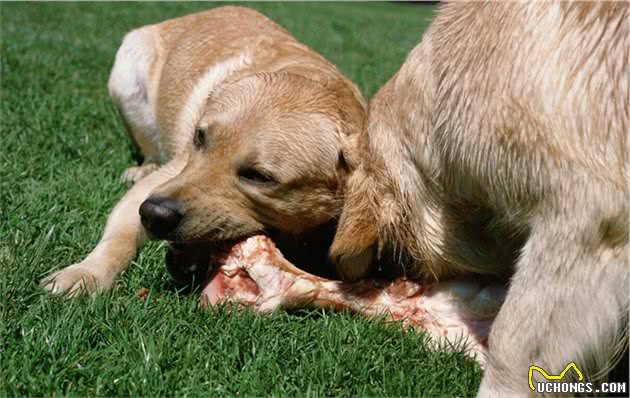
(254, 273)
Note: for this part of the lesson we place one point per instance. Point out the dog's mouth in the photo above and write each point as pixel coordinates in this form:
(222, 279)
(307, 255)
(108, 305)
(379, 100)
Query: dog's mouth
(253, 272)
(190, 263)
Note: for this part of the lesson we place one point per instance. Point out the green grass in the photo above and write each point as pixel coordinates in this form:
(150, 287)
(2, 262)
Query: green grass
(62, 150)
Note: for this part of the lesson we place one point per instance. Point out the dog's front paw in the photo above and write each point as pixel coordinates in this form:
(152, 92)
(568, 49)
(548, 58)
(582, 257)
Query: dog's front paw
(136, 173)
(73, 281)
(354, 265)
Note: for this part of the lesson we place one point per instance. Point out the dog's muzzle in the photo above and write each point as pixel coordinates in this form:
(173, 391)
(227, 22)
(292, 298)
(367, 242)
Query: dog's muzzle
(160, 216)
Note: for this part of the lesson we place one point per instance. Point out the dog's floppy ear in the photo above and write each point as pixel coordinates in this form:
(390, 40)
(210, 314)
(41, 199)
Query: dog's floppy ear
(348, 160)
(356, 238)
(342, 169)
(351, 112)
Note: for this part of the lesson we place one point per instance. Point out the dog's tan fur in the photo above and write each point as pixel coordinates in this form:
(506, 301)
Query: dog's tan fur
(500, 147)
(259, 98)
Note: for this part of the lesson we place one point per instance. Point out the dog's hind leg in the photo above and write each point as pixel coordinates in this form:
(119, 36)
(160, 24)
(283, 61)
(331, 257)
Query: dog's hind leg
(123, 236)
(568, 300)
(132, 86)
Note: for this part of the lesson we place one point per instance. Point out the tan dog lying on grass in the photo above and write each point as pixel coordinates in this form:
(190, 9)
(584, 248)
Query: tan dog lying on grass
(242, 129)
(500, 148)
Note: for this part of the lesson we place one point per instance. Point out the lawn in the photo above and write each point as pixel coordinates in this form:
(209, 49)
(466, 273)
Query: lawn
(62, 151)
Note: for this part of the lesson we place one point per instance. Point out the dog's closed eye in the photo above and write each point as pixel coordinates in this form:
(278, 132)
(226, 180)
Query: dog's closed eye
(199, 139)
(253, 175)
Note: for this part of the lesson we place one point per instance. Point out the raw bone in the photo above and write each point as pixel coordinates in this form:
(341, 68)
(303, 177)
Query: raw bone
(256, 274)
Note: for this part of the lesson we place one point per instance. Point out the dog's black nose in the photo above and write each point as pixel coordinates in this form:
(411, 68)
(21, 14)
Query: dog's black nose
(160, 216)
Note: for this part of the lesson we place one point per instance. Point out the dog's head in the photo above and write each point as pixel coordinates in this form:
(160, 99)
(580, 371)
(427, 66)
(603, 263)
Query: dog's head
(267, 154)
